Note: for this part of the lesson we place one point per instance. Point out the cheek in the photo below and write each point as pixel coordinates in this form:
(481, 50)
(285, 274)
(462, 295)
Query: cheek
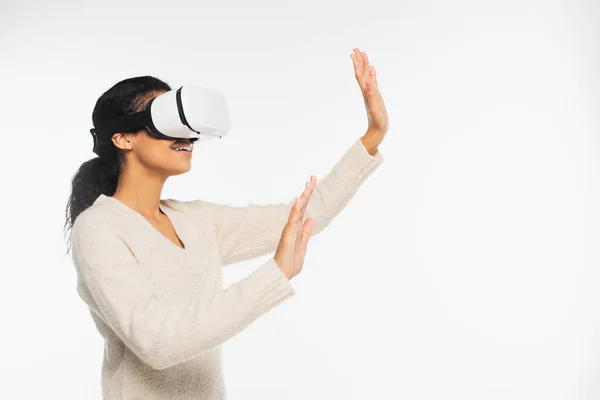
(156, 154)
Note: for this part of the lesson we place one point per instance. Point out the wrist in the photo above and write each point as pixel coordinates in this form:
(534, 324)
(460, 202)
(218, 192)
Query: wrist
(281, 269)
(371, 141)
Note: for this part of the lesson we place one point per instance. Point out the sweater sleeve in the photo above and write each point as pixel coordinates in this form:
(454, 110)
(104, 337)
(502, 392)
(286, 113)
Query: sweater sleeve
(255, 230)
(159, 334)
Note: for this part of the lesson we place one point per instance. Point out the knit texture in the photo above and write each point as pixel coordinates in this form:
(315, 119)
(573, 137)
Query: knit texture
(162, 309)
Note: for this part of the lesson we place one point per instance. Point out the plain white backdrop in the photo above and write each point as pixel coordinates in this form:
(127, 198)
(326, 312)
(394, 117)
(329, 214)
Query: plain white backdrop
(467, 265)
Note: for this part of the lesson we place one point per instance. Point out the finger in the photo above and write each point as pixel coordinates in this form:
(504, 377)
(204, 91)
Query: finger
(303, 210)
(298, 227)
(308, 189)
(305, 198)
(359, 68)
(374, 74)
(375, 84)
(300, 250)
(290, 228)
(298, 209)
(359, 73)
(304, 205)
(293, 211)
(366, 67)
(309, 186)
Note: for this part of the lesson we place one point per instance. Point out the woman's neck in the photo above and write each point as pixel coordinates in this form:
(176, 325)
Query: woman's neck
(141, 192)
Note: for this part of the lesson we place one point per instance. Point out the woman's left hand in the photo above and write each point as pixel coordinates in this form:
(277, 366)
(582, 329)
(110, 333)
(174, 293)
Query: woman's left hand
(367, 79)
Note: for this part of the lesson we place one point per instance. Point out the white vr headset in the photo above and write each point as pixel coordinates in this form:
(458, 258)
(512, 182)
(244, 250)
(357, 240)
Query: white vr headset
(190, 112)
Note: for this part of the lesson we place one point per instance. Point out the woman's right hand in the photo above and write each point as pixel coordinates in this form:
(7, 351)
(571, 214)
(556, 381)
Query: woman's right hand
(290, 253)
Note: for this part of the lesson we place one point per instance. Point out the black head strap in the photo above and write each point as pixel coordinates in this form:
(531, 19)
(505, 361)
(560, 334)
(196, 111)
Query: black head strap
(126, 123)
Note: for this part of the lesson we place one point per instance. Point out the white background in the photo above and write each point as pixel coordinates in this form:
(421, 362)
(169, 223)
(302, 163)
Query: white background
(467, 265)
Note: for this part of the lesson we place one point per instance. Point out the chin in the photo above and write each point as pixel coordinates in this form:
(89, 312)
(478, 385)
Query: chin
(171, 169)
(181, 170)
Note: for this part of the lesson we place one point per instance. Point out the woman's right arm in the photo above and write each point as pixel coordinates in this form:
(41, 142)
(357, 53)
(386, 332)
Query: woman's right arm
(164, 335)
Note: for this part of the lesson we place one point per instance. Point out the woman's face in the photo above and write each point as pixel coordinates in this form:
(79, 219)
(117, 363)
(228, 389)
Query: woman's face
(157, 155)
(162, 155)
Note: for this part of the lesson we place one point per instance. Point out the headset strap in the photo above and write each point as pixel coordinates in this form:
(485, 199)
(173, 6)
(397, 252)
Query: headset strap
(125, 123)
(129, 122)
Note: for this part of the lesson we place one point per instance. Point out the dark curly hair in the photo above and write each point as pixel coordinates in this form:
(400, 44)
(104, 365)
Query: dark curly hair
(100, 175)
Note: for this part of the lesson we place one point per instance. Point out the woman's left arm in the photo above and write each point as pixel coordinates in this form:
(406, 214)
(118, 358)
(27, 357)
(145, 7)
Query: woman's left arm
(251, 231)
(247, 232)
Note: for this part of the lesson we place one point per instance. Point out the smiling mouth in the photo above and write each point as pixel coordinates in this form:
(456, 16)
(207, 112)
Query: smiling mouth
(185, 146)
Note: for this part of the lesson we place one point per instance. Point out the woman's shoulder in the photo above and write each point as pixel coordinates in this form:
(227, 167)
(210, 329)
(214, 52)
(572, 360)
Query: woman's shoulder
(99, 217)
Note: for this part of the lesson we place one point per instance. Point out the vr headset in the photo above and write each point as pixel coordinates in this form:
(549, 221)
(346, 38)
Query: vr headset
(190, 112)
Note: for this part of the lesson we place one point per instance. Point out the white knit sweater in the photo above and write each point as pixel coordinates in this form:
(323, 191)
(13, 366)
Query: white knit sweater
(162, 309)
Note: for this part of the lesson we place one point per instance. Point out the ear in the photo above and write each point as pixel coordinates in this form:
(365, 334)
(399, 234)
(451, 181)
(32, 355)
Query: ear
(122, 141)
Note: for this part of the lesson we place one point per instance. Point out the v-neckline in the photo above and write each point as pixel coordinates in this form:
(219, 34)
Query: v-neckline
(166, 211)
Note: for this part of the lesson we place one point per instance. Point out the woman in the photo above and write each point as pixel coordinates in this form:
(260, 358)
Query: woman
(149, 269)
